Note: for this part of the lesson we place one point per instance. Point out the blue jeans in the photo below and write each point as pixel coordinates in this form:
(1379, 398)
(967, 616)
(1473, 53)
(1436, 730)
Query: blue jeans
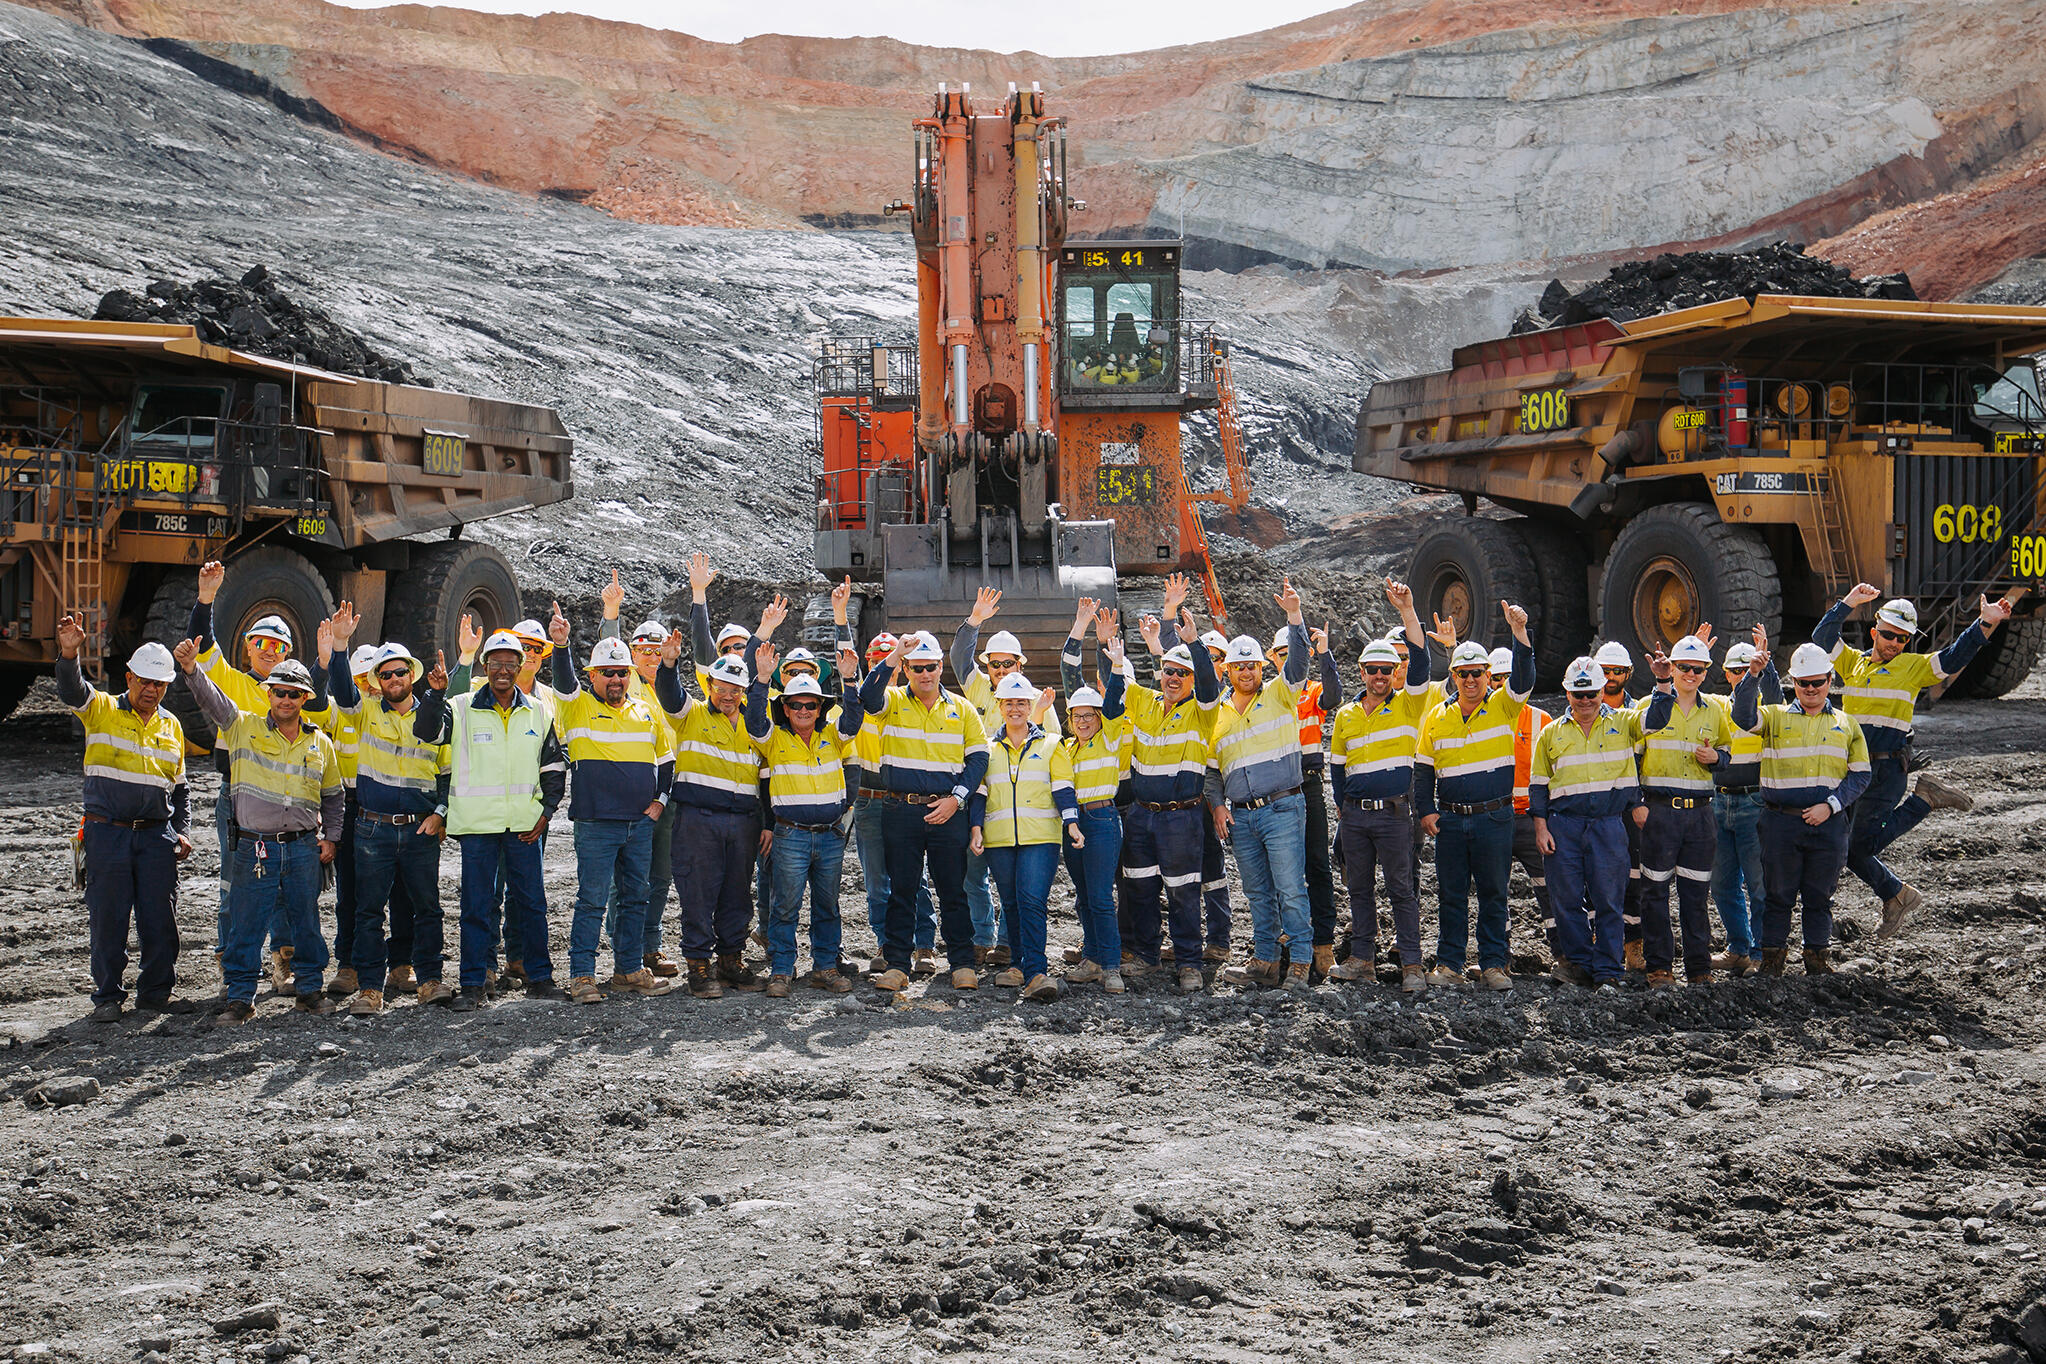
(1737, 869)
(799, 858)
(985, 910)
(1271, 853)
(387, 856)
(1588, 888)
(1093, 871)
(223, 825)
(609, 853)
(494, 864)
(131, 874)
(1475, 850)
(660, 875)
(1882, 815)
(1022, 877)
(280, 886)
(874, 870)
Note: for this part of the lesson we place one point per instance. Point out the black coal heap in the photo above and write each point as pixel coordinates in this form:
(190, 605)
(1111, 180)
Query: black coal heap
(256, 316)
(1642, 288)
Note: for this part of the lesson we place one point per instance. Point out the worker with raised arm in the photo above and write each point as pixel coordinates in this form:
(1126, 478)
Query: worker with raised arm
(1736, 811)
(934, 756)
(1313, 706)
(1371, 762)
(718, 832)
(345, 731)
(1253, 783)
(1214, 862)
(138, 823)
(869, 807)
(1880, 689)
(285, 792)
(978, 677)
(813, 773)
(399, 791)
(1814, 765)
(1687, 740)
(1022, 813)
(1463, 788)
(1583, 789)
(1526, 851)
(645, 646)
(730, 640)
(1097, 756)
(621, 764)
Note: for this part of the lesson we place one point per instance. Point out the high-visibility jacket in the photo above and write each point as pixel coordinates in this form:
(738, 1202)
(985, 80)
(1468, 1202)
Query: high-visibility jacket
(1529, 723)
(934, 750)
(1883, 697)
(1313, 718)
(979, 689)
(1806, 759)
(506, 768)
(619, 755)
(1098, 763)
(1743, 766)
(1169, 745)
(717, 764)
(1371, 745)
(1667, 767)
(1027, 795)
(277, 784)
(1469, 760)
(1256, 750)
(134, 768)
(397, 773)
(806, 778)
(1588, 775)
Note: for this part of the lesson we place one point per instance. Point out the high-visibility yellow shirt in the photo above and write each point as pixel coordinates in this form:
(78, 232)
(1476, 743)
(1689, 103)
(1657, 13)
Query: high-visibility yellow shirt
(981, 692)
(1884, 696)
(237, 686)
(1099, 763)
(619, 761)
(1807, 759)
(134, 768)
(1572, 772)
(1745, 769)
(1667, 766)
(806, 777)
(1466, 759)
(396, 773)
(924, 749)
(717, 764)
(280, 785)
(1371, 745)
(1169, 746)
(1257, 749)
(1028, 793)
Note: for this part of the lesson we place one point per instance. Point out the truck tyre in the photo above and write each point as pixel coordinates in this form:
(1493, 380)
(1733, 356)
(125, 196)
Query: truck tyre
(266, 581)
(2005, 661)
(14, 684)
(1462, 568)
(1561, 609)
(424, 605)
(1676, 565)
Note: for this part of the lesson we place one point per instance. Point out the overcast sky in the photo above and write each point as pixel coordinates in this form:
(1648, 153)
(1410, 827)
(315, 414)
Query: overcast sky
(1055, 28)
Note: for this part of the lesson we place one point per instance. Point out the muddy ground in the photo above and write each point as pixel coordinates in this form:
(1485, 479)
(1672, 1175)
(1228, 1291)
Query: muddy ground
(1848, 1168)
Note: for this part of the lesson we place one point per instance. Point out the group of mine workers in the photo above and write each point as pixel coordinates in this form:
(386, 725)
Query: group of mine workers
(743, 790)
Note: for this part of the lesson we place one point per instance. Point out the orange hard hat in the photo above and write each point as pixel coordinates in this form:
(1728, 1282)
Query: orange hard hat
(880, 647)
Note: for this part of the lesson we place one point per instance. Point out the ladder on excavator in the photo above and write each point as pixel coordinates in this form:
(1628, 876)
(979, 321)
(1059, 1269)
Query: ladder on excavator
(80, 526)
(1236, 496)
(1825, 535)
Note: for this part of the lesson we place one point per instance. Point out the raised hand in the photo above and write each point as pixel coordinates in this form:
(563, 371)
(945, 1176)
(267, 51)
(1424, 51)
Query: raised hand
(467, 637)
(1444, 632)
(1189, 628)
(1042, 705)
(437, 676)
(902, 643)
(1658, 665)
(1995, 613)
(1862, 594)
(1148, 627)
(613, 596)
(841, 598)
(1107, 623)
(1516, 617)
(1083, 612)
(764, 659)
(1113, 648)
(1176, 588)
(1320, 638)
(1760, 662)
(672, 647)
(985, 603)
(1400, 595)
(1288, 601)
(186, 654)
(1703, 634)
(70, 636)
(557, 627)
(700, 575)
(772, 615)
(323, 640)
(212, 574)
(345, 622)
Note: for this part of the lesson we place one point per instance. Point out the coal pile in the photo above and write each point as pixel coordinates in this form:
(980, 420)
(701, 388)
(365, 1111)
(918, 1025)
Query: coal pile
(256, 316)
(1643, 288)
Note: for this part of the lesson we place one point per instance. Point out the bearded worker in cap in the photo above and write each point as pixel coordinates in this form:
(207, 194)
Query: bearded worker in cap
(1880, 690)
(138, 822)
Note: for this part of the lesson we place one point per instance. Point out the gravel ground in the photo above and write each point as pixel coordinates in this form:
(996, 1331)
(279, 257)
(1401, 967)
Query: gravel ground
(1843, 1168)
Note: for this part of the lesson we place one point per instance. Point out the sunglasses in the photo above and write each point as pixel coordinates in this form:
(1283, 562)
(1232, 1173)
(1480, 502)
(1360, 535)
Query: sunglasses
(1002, 665)
(394, 674)
(798, 670)
(923, 667)
(1178, 672)
(801, 705)
(646, 647)
(1583, 695)
(288, 694)
(1611, 671)
(1891, 635)
(612, 672)
(534, 649)
(265, 645)
(1471, 674)
(737, 646)
(1379, 670)
(1810, 682)
(1690, 668)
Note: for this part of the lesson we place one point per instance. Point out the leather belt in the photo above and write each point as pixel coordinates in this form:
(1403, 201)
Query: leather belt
(1392, 804)
(1679, 802)
(1162, 806)
(1481, 808)
(251, 836)
(1260, 802)
(399, 820)
(1098, 805)
(806, 828)
(126, 823)
(913, 797)
(1738, 790)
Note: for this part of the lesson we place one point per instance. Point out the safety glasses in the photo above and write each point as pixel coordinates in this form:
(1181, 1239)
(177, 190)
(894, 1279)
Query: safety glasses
(393, 674)
(1809, 683)
(1379, 670)
(1890, 635)
(646, 647)
(1178, 673)
(800, 705)
(1612, 672)
(532, 650)
(1698, 669)
(1002, 665)
(613, 673)
(1471, 674)
(263, 644)
(921, 668)
(288, 694)
(1582, 695)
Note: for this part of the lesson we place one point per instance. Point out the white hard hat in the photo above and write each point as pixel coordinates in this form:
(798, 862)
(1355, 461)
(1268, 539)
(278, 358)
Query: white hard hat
(153, 663)
(732, 669)
(1243, 649)
(1003, 642)
(1899, 615)
(1086, 696)
(1691, 649)
(1215, 639)
(798, 655)
(1502, 660)
(1181, 657)
(393, 650)
(1809, 660)
(536, 632)
(273, 627)
(923, 646)
(1280, 638)
(650, 632)
(1739, 656)
(610, 653)
(731, 632)
(1015, 687)
(290, 673)
(1378, 651)
(1470, 654)
(1613, 654)
(1583, 675)
(802, 684)
(364, 659)
(504, 641)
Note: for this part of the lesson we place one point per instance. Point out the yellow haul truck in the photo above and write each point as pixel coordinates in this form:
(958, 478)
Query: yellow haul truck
(1733, 462)
(131, 453)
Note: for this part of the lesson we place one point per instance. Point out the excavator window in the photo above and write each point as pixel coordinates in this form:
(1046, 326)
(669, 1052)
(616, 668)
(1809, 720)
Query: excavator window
(1115, 336)
(184, 417)
(2014, 397)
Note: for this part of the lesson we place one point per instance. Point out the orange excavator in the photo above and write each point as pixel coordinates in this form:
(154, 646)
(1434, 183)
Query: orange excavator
(1029, 437)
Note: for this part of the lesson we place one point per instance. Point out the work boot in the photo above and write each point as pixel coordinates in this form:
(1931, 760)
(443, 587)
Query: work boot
(894, 982)
(1358, 967)
(998, 955)
(469, 1001)
(542, 989)
(1633, 956)
(1566, 972)
(1445, 977)
(1703, 977)
(314, 1002)
(1009, 977)
(1084, 972)
(1190, 981)
(514, 974)
(1773, 960)
(1299, 978)
(234, 1013)
(1134, 967)
(830, 981)
(733, 971)
(966, 978)
(661, 964)
(109, 1012)
(778, 986)
(1815, 963)
(923, 963)
(1042, 989)
(1165, 952)
(980, 955)
(280, 970)
(1215, 956)
(1938, 795)
(366, 1003)
(1497, 978)
(1735, 965)
(640, 982)
(399, 981)
(758, 937)
(876, 964)
(1661, 980)
(344, 983)
(435, 992)
(1413, 980)
(1264, 973)
(703, 982)
(490, 982)
(164, 1004)
(583, 990)
(1073, 956)
(1897, 909)
(1324, 962)
(1112, 983)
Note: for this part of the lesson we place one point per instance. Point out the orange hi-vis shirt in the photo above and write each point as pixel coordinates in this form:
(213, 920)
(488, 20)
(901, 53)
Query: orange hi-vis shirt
(1312, 719)
(1530, 723)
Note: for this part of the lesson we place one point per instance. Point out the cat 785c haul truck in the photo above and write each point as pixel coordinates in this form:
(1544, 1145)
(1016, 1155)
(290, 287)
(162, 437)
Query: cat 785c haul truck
(1741, 461)
(133, 452)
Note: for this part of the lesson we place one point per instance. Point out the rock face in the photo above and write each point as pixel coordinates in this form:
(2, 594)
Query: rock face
(1388, 135)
